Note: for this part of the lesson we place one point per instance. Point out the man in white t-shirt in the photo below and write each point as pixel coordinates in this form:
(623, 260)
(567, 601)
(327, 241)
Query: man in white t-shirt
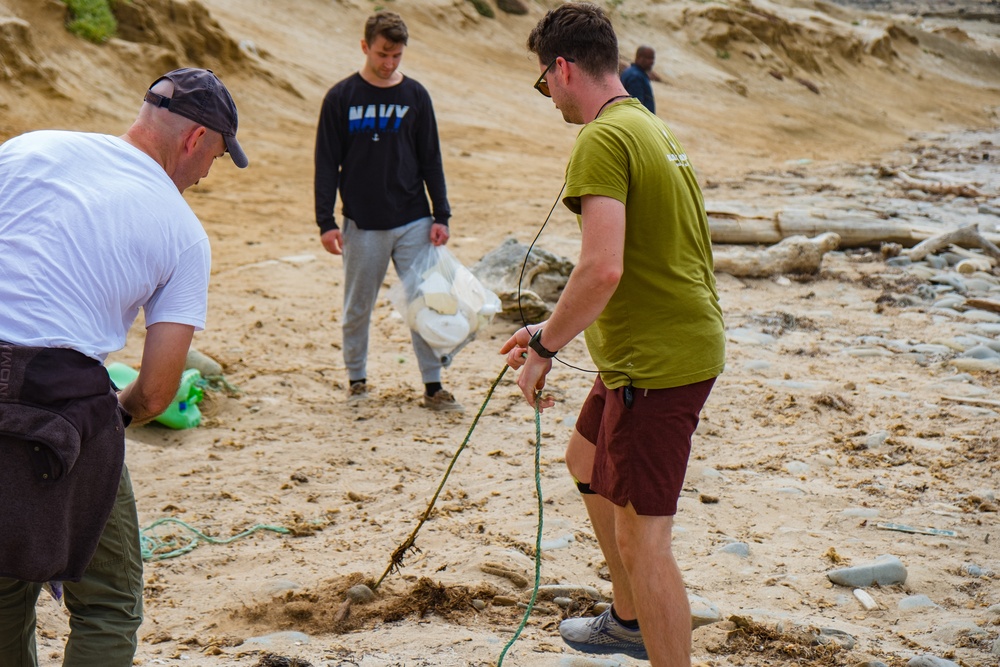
(92, 228)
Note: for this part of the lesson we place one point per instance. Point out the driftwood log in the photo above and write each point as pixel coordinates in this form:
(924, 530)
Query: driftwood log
(856, 230)
(937, 187)
(967, 236)
(728, 225)
(984, 304)
(795, 254)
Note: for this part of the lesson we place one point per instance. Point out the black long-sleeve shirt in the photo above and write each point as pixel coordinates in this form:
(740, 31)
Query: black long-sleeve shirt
(380, 147)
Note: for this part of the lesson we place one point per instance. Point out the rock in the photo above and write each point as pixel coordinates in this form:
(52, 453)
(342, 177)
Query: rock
(287, 638)
(916, 602)
(930, 661)
(360, 594)
(545, 274)
(797, 467)
(833, 636)
(552, 591)
(741, 549)
(981, 352)
(866, 600)
(478, 605)
(206, 365)
(876, 439)
(884, 570)
(703, 611)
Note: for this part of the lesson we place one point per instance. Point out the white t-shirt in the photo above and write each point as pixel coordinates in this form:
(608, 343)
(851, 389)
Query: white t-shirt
(91, 230)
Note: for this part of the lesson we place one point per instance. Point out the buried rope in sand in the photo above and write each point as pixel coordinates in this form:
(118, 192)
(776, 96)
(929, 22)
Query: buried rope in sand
(396, 561)
(152, 548)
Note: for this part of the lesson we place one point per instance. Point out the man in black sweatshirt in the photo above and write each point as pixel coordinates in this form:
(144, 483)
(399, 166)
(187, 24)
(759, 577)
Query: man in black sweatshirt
(377, 143)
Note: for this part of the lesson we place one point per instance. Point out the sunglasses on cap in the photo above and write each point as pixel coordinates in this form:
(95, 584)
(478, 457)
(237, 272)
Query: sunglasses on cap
(542, 85)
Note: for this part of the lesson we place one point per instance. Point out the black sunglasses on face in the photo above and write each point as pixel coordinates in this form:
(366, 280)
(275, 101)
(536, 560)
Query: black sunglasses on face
(542, 85)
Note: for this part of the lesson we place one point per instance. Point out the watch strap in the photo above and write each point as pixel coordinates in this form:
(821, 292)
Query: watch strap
(536, 344)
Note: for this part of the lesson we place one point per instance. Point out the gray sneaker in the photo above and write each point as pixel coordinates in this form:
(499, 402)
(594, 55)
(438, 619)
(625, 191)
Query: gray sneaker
(357, 392)
(602, 634)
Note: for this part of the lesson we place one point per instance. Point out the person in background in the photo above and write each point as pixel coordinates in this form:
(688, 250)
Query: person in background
(94, 227)
(636, 77)
(377, 143)
(644, 294)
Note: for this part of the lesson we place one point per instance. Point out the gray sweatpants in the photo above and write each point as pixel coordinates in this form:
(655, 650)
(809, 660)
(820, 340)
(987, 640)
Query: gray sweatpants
(366, 260)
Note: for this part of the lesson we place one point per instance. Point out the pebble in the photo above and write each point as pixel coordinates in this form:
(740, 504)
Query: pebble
(288, 637)
(833, 636)
(360, 594)
(757, 365)
(206, 365)
(981, 352)
(930, 661)
(929, 348)
(981, 316)
(703, 611)
(866, 600)
(863, 352)
(563, 602)
(876, 439)
(552, 591)
(557, 543)
(749, 337)
(916, 602)
(971, 570)
(478, 605)
(797, 467)
(884, 570)
(741, 549)
(871, 663)
(967, 364)
(951, 301)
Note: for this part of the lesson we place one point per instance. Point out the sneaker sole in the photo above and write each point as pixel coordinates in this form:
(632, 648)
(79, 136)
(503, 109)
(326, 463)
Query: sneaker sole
(600, 649)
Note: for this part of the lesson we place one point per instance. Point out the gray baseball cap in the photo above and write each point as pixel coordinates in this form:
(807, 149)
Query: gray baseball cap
(200, 96)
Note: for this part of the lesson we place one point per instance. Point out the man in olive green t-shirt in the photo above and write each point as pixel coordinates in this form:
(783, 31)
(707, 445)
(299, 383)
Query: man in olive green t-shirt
(644, 293)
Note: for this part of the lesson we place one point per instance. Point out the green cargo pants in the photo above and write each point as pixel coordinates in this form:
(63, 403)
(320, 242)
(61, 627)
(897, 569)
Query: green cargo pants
(105, 606)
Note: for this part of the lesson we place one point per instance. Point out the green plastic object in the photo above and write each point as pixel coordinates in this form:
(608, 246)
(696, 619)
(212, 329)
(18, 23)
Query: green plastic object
(183, 411)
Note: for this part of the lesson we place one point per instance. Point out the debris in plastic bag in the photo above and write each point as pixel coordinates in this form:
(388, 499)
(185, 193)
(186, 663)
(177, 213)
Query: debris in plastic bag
(443, 302)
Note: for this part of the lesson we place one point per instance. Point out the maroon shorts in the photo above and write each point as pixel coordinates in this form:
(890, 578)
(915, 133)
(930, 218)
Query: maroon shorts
(642, 451)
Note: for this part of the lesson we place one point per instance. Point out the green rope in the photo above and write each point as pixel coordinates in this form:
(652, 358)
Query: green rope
(396, 561)
(152, 548)
(538, 533)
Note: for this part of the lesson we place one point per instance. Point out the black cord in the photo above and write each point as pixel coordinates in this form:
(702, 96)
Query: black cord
(520, 278)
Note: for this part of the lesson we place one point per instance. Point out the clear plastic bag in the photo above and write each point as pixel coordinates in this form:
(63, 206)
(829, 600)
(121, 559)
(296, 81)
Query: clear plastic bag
(443, 302)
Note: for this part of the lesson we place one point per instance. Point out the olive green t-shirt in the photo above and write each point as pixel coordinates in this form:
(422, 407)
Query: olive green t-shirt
(663, 326)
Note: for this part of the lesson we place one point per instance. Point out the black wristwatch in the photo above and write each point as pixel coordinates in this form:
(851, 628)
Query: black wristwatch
(536, 344)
